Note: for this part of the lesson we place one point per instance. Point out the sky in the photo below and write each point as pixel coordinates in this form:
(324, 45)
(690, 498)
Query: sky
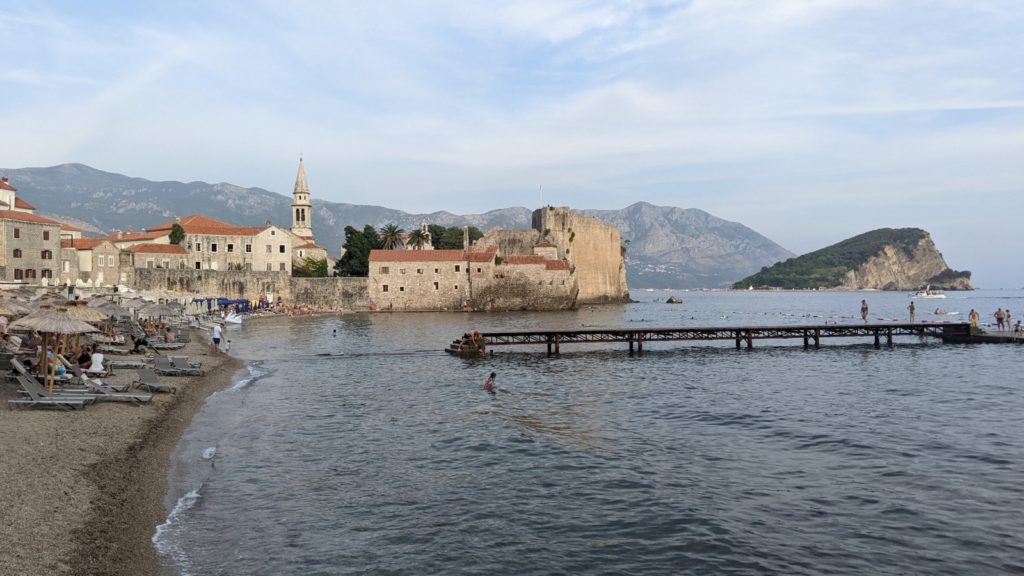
(809, 121)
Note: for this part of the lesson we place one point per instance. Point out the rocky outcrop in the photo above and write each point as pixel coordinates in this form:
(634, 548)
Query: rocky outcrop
(897, 268)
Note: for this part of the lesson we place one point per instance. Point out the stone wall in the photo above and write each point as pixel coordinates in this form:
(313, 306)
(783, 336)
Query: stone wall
(526, 287)
(593, 247)
(331, 293)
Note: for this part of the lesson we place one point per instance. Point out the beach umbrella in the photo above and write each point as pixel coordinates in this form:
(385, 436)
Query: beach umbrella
(15, 307)
(51, 321)
(86, 313)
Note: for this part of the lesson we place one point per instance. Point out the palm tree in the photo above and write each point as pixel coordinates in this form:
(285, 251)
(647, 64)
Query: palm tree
(391, 237)
(418, 239)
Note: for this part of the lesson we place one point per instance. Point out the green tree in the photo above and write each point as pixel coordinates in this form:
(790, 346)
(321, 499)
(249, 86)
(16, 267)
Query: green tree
(451, 238)
(356, 261)
(311, 268)
(436, 233)
(418, 239)
(391, 237)
(177, 233)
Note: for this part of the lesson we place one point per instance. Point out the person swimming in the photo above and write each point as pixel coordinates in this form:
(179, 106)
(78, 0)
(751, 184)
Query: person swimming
(489, 383)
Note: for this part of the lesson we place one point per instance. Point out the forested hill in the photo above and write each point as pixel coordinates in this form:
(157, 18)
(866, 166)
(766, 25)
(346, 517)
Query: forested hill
(883, 259)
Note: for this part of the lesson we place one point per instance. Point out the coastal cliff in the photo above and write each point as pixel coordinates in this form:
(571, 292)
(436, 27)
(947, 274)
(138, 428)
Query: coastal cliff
(884, 259)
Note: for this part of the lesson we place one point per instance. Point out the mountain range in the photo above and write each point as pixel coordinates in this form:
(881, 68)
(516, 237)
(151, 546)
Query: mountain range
(668, 247)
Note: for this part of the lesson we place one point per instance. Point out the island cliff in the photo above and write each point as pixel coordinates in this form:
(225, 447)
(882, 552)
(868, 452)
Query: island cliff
(884, 259)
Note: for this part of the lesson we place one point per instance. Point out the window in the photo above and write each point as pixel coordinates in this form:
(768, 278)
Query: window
(437, 286)
(17, 253)
(18, 274)
(457, 268)
(282, 267)
(110, 260)
(165, 263)
(383, 269)
(199, 265)
(384, 288)
(46, 273)
(46, 255)
(401, 288)
(231, 247)
(17, 232)
(65, 265)
(401, 270)
(30, 273)
(99, 261)
(213, 247)
(269, 248)
(478, 270)
(150, 264)
(248, 248)
(273, 232)
(456, 286)
(419, 270)
(270, 267)
(437, 270)
(46, 236)
(281, 248)
(199, 246)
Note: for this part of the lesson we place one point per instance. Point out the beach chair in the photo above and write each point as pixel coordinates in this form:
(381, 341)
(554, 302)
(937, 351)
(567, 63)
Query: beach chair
(80, 376)
(104, 392)
(38, 398)
(148, 380)
(165, 366)
(183, 361)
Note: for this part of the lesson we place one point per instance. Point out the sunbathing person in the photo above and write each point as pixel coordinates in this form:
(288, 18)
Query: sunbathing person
(140, 342)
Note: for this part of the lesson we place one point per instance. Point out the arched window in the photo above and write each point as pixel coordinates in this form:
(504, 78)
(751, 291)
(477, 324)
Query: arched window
(17, 252)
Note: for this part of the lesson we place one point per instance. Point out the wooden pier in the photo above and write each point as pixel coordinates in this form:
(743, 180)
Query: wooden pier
(811, 335)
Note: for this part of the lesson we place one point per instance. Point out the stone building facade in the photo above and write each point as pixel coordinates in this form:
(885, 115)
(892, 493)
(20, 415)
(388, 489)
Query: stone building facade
(90, 261)
(594, 248)
(29, 248)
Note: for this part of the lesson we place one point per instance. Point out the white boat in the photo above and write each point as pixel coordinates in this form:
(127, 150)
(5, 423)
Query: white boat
(927, 292)
(233, 318)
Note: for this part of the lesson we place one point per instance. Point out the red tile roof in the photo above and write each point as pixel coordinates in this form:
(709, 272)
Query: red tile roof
(556, 265)
(19, 203)
(156, 249)
(69, 227)
(82, 243)
(26, 217)
(485, 254)
(5, 184)
(199, 224)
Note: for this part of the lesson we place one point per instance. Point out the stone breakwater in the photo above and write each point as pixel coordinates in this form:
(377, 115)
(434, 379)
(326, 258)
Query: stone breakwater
(83, 490)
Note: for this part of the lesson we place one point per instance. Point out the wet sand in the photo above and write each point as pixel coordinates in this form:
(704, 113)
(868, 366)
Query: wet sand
(81, 492)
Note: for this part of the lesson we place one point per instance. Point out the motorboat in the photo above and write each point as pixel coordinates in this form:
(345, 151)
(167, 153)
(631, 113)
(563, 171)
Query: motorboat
(927, 292)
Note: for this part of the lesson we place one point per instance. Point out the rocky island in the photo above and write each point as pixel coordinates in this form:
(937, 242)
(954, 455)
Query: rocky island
(883, 259)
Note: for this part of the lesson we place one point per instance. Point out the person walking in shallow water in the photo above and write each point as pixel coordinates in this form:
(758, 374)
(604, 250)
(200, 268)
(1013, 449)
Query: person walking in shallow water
(912, 310)
(864, 310)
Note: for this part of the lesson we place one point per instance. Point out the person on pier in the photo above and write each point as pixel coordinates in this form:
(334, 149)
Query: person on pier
(864, 310)
(912, 310)
(1000, 318)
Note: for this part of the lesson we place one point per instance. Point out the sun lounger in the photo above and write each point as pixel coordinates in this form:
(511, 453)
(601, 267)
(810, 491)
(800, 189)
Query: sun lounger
(37, 397)
(140, 363)
(167, 367)
(183, 361)
(104, 392)
(148, 380)
(167, 345)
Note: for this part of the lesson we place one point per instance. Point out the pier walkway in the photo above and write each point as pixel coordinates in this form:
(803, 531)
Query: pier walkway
(811, 335)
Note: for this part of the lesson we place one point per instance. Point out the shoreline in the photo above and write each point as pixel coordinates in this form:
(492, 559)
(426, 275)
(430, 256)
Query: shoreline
(87, 487)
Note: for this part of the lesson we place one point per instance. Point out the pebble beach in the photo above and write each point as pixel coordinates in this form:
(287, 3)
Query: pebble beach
(82, 491)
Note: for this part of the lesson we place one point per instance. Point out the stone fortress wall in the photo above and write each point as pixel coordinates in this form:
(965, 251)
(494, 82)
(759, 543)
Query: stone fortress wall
(592, 247)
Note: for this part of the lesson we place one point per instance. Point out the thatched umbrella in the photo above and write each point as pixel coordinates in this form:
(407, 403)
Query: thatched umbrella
(15, 306)
(86, 313)
(51, 321)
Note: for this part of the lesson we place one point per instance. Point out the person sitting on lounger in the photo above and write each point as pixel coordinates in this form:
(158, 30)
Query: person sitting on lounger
(84, 357)
(96, 362)
(139, 342)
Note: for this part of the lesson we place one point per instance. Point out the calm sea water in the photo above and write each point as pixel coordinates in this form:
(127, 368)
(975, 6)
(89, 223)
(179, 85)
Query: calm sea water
(373, 452)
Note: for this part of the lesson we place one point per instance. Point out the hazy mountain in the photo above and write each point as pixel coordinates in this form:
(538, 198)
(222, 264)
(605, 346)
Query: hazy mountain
(668, 247)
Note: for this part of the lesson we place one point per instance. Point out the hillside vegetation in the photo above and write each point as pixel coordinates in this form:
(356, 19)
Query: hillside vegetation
(829, 267)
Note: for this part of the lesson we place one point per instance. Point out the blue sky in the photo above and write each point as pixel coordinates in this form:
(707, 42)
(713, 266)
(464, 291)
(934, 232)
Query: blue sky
(808, 120)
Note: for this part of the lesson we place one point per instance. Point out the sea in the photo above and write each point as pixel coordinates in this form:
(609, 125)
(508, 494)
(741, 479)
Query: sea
(352, 444)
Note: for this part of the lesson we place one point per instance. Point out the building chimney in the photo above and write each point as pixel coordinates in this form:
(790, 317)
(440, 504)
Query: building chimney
(465, 236)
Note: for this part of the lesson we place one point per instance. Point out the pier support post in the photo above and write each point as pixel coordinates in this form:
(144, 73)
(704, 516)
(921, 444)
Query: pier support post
(631, 337)
(738, 338)
(878, 342)
(817, 338)
(549, 344)
(807, 340)
(750, 338)
(888, 337)
(558, 341)
(640, 343)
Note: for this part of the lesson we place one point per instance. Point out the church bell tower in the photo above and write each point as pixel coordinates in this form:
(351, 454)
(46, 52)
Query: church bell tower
(302, 208)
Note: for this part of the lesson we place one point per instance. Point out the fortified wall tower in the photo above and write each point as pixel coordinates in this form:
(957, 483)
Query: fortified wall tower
(593, 247)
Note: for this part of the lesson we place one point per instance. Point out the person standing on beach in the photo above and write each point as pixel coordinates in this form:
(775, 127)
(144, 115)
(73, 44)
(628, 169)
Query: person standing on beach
(912, 309)
(864, 310)
(489, 383)
(215, 336)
